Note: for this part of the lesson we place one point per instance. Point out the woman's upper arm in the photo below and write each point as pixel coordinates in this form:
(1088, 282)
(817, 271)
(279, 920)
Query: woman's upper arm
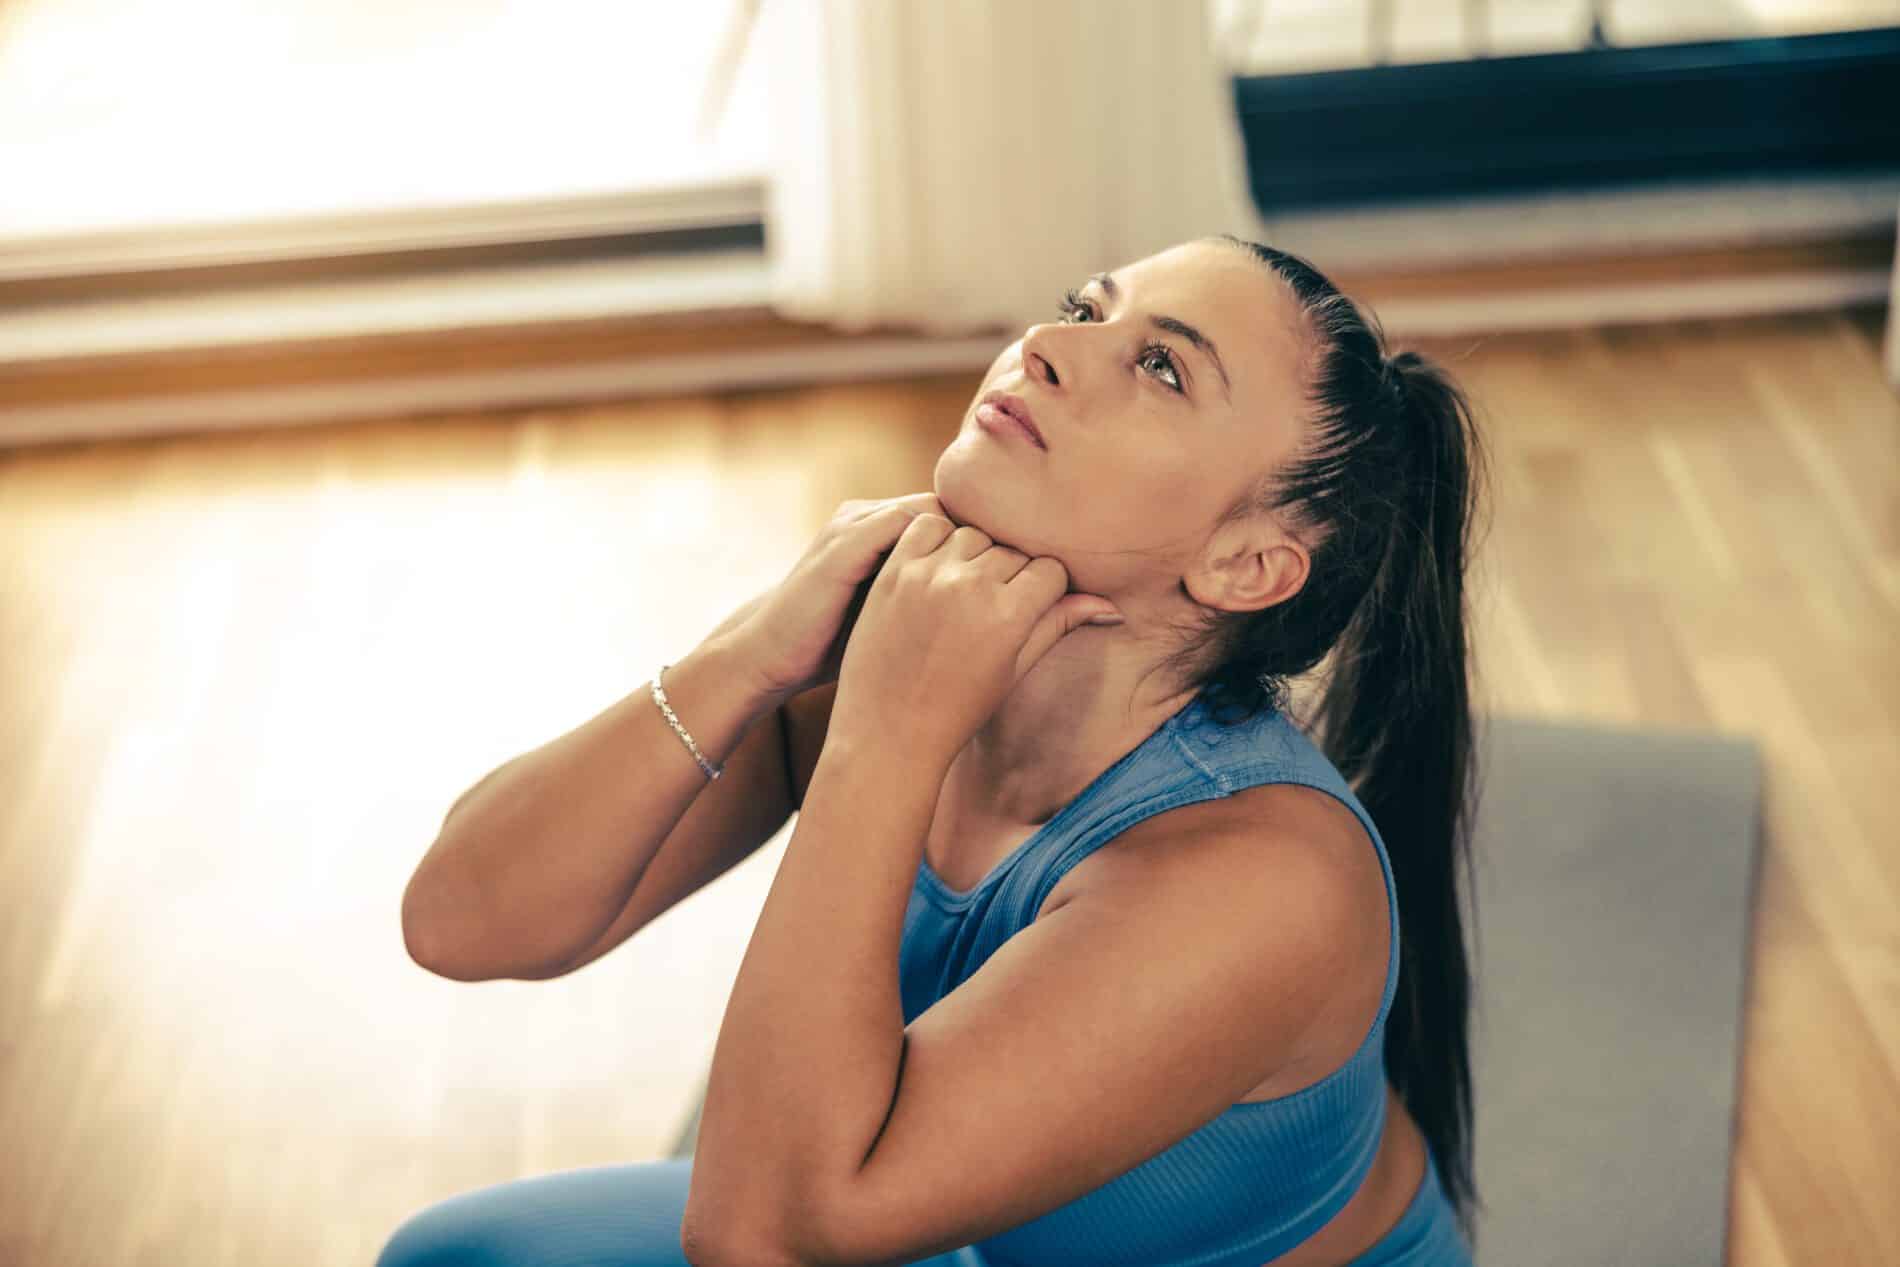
(807, 720)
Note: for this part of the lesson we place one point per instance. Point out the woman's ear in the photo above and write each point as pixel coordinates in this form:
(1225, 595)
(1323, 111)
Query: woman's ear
(1257, 569)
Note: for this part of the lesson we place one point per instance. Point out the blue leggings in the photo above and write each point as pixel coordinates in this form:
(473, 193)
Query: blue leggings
(1426, 1235)
(628, 1215)
(625, 1215)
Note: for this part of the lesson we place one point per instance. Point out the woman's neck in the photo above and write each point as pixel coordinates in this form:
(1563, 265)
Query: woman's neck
(1088, 702)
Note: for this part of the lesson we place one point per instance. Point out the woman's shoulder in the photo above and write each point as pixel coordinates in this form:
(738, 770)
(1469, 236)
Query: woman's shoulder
(1277, 854)
(1276, 832)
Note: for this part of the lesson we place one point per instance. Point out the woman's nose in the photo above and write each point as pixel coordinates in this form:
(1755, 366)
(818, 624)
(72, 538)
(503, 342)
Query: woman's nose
(1036, 362)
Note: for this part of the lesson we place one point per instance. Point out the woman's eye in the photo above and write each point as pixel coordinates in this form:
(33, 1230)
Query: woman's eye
(1166, 360)
(1073, 305)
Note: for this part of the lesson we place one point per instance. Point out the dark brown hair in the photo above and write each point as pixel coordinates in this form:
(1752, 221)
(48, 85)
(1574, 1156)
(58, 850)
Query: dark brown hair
(1382, 491)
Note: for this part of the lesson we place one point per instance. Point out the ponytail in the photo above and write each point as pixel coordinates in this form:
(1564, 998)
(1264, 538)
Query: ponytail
(1397, 722)
(1384, 487)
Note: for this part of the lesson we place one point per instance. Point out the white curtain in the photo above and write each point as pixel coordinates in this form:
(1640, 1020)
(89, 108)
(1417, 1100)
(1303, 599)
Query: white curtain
(951, 165)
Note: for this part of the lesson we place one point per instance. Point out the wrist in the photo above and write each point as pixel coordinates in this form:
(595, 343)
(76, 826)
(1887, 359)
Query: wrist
(907, 755)
(736, 673)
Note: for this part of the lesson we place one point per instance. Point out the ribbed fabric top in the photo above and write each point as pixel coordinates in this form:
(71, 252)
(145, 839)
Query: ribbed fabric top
(1262, 1176)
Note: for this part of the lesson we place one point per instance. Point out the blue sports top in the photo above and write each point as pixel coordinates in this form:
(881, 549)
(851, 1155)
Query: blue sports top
(1262, 1176)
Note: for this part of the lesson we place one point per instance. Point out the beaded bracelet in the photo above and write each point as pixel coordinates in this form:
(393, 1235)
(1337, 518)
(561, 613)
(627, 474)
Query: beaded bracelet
(659, 697)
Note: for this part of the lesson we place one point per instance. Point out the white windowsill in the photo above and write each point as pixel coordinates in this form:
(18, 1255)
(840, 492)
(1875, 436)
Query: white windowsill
(1445, 233)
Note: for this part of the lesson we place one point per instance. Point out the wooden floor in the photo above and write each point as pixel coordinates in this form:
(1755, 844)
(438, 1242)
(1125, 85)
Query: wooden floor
(244, 676)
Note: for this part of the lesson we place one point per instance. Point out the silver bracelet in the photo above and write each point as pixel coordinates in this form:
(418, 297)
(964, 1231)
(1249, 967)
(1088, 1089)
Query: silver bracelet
(659, 697)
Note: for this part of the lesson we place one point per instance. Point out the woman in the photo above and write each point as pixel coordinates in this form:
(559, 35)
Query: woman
(1166, 996)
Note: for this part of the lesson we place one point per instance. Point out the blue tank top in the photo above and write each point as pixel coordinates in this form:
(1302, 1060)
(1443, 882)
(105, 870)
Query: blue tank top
(1262, 1176)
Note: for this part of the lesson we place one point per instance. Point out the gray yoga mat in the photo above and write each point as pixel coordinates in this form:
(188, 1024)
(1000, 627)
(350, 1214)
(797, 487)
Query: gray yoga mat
(1615, 880)
(1616, 877)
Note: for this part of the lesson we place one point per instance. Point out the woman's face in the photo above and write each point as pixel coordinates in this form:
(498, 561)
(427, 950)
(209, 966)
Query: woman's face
(1150, 436)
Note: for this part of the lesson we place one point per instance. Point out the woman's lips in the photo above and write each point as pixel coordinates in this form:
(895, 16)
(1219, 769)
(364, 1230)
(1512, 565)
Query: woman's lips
(994, 418)
(999, 422)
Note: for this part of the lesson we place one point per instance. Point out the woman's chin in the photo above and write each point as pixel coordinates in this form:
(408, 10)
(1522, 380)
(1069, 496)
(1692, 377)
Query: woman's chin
(972, 499)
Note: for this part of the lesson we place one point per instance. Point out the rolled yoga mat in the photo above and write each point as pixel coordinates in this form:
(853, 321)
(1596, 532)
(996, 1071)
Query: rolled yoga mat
(1615, 873)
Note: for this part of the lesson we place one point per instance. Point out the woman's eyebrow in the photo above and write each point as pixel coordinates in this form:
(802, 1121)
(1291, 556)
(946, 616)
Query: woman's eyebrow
(1174, 325)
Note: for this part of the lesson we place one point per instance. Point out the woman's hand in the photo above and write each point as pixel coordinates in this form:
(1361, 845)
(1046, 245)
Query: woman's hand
(796, 631)
(951, 623)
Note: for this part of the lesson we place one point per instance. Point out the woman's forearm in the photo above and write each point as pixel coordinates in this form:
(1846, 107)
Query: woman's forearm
(805, 1068)
(534, 861)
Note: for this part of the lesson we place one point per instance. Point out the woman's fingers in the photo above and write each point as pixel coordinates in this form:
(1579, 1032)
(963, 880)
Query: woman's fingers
(876, 531)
